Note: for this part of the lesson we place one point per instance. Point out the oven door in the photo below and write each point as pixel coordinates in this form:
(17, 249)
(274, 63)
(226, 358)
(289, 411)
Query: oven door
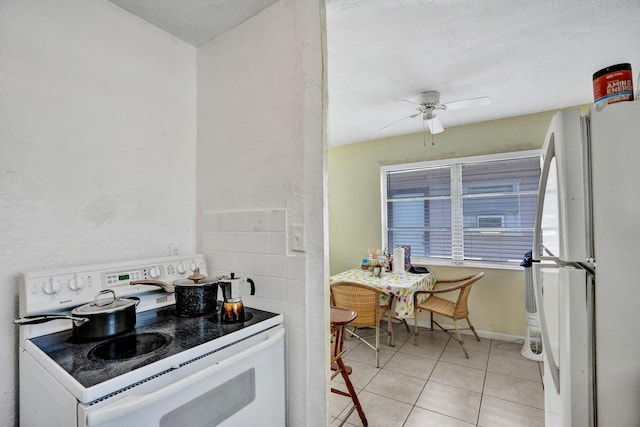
(244, 388)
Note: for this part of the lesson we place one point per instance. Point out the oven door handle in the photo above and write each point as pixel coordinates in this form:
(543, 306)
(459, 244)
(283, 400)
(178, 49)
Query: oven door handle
(131, 404)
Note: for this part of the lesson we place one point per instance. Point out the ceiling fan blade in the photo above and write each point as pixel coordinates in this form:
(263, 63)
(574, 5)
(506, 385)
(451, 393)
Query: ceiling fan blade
(466, 103)
(410, 102)
(382, 129)
(435, 126)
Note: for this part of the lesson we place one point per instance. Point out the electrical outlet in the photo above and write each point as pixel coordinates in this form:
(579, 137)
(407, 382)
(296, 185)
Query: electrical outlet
(173, 250)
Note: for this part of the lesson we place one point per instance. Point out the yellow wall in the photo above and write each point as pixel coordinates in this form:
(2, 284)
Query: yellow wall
(497, 301)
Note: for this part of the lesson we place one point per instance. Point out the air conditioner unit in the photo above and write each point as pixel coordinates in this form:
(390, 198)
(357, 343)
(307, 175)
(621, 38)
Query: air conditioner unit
(532, 347)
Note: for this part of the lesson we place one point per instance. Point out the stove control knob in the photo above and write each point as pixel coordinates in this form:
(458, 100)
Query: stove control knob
(181, 268)
(51, 287)
(75, 283)
(194, 265)
(154, 272)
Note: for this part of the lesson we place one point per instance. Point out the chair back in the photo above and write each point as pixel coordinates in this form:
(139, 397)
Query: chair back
(462, 309)
(363, 299)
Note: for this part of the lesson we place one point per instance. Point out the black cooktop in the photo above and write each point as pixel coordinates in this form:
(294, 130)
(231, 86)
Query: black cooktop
(83, 360)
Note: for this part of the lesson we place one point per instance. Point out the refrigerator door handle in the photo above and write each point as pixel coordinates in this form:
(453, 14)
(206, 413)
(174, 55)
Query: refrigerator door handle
(550, 256)
(546, 344)
(542, 189)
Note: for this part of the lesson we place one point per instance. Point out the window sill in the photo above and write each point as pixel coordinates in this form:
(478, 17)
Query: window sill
(427, 262)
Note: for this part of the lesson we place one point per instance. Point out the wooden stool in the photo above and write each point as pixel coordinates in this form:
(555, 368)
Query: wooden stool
(339, 319)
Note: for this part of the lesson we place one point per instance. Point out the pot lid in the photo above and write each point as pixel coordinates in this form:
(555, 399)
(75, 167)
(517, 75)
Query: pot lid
(197, 276)
(188, 282)
(104, 304)
(196, 279)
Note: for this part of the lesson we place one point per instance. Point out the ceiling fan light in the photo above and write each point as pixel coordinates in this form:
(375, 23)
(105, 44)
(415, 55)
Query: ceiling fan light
(435, 126)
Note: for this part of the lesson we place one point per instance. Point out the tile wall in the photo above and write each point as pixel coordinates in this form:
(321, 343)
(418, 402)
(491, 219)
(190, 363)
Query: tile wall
(254, 244)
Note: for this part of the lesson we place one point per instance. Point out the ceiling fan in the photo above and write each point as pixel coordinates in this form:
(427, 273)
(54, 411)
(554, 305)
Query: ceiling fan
(428, 102)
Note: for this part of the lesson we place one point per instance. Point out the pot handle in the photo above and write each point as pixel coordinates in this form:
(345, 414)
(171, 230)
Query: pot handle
(164, 285)
(253, 286)
(32, 320)
(101, 303)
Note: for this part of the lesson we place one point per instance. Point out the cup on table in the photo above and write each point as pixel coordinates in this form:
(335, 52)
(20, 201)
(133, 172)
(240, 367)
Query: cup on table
(377, 271)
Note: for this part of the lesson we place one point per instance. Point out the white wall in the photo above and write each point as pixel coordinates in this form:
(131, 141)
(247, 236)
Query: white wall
(261, 180)
(97, 146)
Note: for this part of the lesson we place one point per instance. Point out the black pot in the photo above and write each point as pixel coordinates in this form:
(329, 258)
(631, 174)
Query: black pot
(196, 300)
(195, 295)
(103, 318)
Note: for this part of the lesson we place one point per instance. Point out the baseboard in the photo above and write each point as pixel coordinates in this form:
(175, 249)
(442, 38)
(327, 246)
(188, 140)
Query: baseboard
(481, 333)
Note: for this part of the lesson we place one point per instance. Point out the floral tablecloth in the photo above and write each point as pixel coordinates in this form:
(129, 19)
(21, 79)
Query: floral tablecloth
(401, 285)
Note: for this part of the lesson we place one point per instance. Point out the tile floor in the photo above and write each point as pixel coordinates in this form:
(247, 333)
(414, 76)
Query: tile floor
(433, 384)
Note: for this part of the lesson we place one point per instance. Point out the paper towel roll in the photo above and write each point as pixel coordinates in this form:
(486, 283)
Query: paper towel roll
(398, 260)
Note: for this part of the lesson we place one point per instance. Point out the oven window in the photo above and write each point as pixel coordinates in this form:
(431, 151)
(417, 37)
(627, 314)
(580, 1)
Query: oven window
(216, 405)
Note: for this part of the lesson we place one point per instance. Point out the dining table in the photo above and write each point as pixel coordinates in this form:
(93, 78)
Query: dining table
(401, 285)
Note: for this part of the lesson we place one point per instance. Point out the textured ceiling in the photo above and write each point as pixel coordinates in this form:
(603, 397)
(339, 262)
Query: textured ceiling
(526, 56)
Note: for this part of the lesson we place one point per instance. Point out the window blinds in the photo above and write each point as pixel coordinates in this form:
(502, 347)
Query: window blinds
(419, 211)
(480, 211)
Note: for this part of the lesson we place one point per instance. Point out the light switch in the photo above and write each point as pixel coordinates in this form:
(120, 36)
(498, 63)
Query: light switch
(296, 238)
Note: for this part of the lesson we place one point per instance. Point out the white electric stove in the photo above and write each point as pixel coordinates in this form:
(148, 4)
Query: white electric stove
(168, 371)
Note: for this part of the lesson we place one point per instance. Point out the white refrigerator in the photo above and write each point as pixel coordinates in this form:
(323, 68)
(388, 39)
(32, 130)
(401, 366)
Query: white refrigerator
(586, 267)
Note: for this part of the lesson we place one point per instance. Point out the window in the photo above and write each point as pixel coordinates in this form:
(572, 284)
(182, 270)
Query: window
(490, 221)
(471, 209)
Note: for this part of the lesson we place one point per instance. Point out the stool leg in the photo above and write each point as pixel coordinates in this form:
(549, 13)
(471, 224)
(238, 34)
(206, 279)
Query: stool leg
(352, 391)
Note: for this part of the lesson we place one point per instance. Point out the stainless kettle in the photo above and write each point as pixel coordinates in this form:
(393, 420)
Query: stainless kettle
(232, 306)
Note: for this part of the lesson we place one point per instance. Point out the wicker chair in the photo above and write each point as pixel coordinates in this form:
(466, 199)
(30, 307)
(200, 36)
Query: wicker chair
(454, 310)
(366, 302)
